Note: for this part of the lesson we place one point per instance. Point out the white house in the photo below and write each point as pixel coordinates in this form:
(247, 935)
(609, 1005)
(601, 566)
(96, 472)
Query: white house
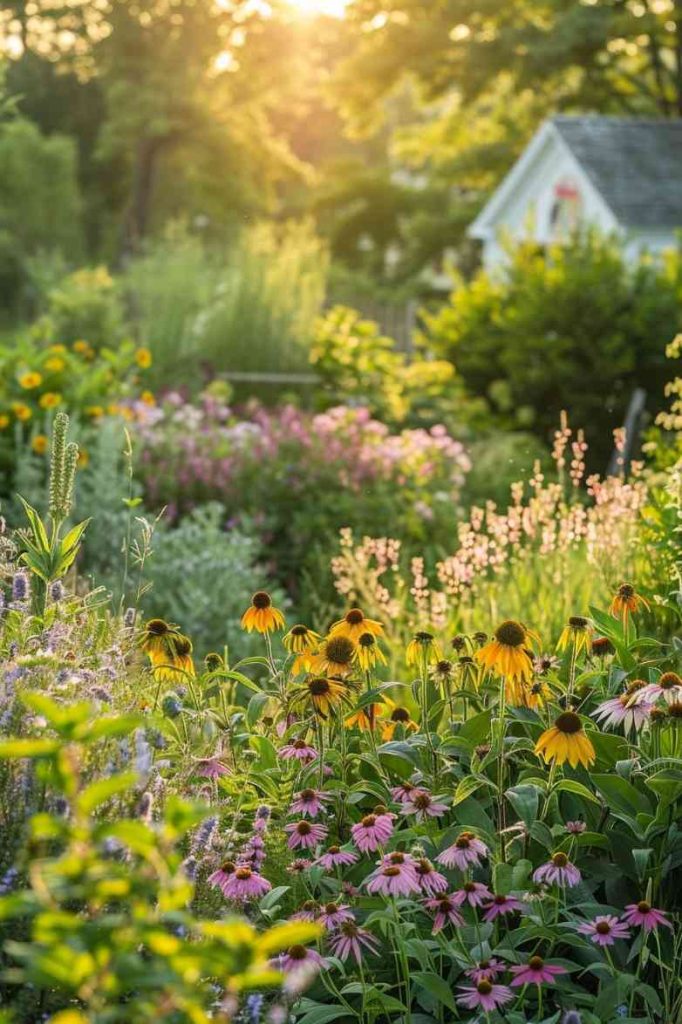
(621, 175)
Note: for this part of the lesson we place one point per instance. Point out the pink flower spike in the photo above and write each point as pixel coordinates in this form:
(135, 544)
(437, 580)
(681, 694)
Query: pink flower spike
(644, 914)
(372, 832)
(502, 905)
(604, 930)
(558, 871)
(305, 834)
(423, 806)
(352, 940)
(484, 995)
(309, 802)
(445, 912)
(336, 857)
(467, 851)
(535, 972)
(473, 893)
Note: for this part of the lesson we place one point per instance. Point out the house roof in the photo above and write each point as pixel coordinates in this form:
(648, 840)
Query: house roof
(635, 164)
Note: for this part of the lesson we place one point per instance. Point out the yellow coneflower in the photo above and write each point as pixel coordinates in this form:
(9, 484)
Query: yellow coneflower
(261, 615)
(21, 411)
(364, 718)
(175, 662)
(96, 411)
(50, 400)
(156, 636)
(182, 651)
(335, 656)
(393, 716)
(442, 671)
(301, 641)
(530, 695)
(566, 741)
(30, 380)
(626, 602)
(55, 364)
(423, 647)
(83, 458)
(39, 444)
(368, 653)
(143, 358)
(148, 398)
(576, 633)
(324, 694)
(354, 624)
(507, 653)
(4, 421)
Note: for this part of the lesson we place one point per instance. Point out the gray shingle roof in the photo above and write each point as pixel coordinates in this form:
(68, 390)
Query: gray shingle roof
(635, 164)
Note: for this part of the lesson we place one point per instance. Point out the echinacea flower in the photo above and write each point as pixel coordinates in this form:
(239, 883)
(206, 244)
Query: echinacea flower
(335, 656)
(354, 624)
(558, 871)
(334, 857)
(423, 648)
(485, 995)
(566, 740)
(507, 652)
(297, 750)
(393, 716)
(300, 959)
(211, 767)
(445, 912)
(401, 794)
(245, 884)
(442, 672)
(473, 893)
(309, 802)
(577, 633)
(644, 914)
(535, 972)
(619, 711)
(430, 881)
(372, 832)
(368, 653)
(576, 828)
(667, 687)
(221, 877)
(395, 876)
(309, 911)
(467, 851)
(544, 663)
(331, 915)
(156, 636)
(604, 930)
(626, 602)
(423, 805)
(305, 834)
(500, 905)
(324, 694)
(261, 614)
(486, 970)
(351, 939)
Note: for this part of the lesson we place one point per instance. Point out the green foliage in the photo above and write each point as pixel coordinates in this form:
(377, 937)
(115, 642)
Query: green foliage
(498, 461)
(85, 304)
(575, 328)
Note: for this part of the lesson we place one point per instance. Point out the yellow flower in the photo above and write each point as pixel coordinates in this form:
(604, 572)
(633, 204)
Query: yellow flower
(507, 652)
(113, 409)
(302, 642)
(354, 624)
(83, 458)
(143, 358)
(335, 656)
(368, 653)
(626, 602)
(324, 694)
(261, 615)
(30, 380)
(577, 633)
(148, 398)
(4, 421)
(394, 716)
(95, 411)
(55, 364)
(50, 400)
(423, 645)
(57, 348)
(364, 718)
(21, 411)
(82, 347)
(39, 444)
(566, 741)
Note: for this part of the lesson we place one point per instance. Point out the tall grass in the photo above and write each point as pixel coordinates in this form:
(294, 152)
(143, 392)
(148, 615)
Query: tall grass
(250, 307)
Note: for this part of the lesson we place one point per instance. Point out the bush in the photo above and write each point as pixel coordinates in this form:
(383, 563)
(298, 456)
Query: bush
(85, 304)
(574, 328)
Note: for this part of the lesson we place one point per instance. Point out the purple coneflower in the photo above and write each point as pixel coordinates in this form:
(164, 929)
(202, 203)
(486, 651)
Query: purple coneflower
(604, 930)
(395, 876)
(372, 832)
(336, 857)
(211, 768)
(309, 802)
(305, 834)
(423, 805)
(298, 866)
(430, 881)
(245, 884)
(644, 914)
(668, 687)
(331, 915)
(615, 711)
(308, 911)
(558, 871)
(501, 905)
(486, 970)
(446, 912)
(298, 749)
(350, 939)
(473, 893)
(483, 996)
(403, 792)
(576, 828)
(465, 852)
(221, 877)
(535, 972)
(300, 958)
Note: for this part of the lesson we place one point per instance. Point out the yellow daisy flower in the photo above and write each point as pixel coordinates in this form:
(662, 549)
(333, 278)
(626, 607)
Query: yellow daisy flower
(55, 364)
(335, 656)
(39, 444)
(81, 347)
(395, 715)
(364, 719)
(368, 653)
(156, 636)
(50, 400)
(95, 411)
(626, 601)
(261, 615)
(577, 633)
(566, 741)
(354, 624)
(21, 411)
(423, 645)
(507, 652)
(324, 694)
(143, 358)
(148, 398)
(30, 380)
(4, 420)
(301, 641)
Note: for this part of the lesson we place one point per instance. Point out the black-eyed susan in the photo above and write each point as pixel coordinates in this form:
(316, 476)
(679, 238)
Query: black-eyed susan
(354, 624)
(156, 637)
(442, 672)
(566, 740)
(368, 653)
(602, 647)
(54, 364)
(393, 715)
(261, 614)
(39, 444)
(4, 421)
(325, 695)
(507, 653)
(301, 641)
(626, 602)
(364, 718)
(50, 400)
(22, 411)
(422, 649)
(143, 358)
(30, 380)
(335, 656)
(182, 654)
(577, 633)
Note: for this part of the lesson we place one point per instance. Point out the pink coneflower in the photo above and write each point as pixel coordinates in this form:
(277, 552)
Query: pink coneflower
(615, 711)
(331, 915)
(473, 893)
(535, 972)
(211, 767)
(299, 750)
(298, 866)
(309, 802)
(336, 857)
(558, 871)
(300, 958)
(668, 687)
(465, 852)
(576, 828)
(220, 877)
(245, 884)
(350, 939)
(446, 912)
(486, 970)
(430, 881)
(372, 832)
(604, 930)
(395, 876)
(501, 905)
(644, 914)
(484, 996)
(423, 805)
(309, 911)
(305, 834)
(402, 792)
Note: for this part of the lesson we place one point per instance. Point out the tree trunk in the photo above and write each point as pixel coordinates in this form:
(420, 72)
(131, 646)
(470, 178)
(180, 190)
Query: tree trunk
(137, 215)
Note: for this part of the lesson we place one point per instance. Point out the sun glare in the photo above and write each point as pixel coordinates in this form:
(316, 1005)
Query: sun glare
(310, 8)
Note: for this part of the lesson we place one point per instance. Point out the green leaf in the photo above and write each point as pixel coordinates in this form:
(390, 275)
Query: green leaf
(437, 987)
(98, 792)
(525, 800)
(322, 1014)
(577, 788)
(10, 749)
(621, 795)
(467, 786)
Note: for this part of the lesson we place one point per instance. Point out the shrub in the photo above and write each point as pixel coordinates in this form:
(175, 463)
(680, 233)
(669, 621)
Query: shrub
(84, 304)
